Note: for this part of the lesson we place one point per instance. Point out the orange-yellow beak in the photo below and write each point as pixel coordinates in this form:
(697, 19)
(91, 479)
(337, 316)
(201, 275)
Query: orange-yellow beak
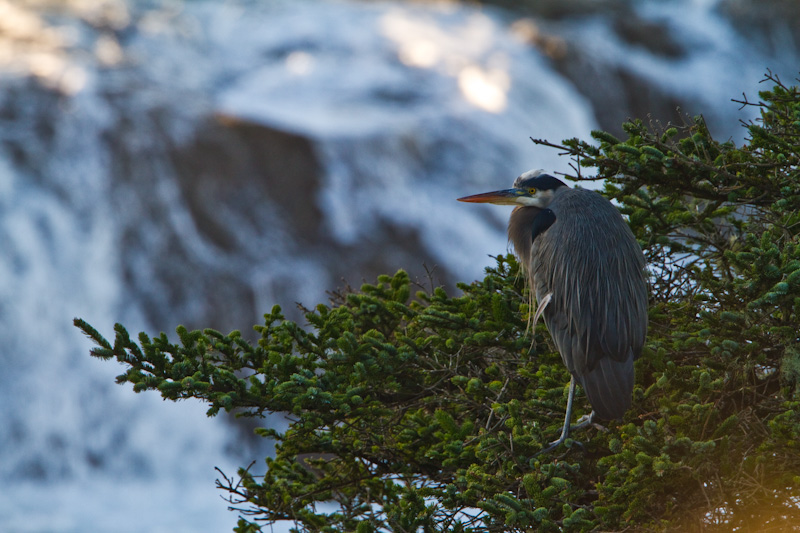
(504, 197)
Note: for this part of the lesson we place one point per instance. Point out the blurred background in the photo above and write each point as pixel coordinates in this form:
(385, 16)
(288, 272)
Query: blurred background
(169, 162)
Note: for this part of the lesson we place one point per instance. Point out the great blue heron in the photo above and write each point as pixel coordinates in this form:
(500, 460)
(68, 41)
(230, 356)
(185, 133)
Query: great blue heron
(587, 272)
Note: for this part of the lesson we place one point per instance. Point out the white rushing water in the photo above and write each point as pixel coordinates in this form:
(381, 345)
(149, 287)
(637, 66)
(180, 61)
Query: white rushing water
(408, 106)
(79, 452)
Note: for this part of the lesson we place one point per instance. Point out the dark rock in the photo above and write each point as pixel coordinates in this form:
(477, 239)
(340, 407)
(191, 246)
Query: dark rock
(618, 94)
(655, 37)
(773, 24)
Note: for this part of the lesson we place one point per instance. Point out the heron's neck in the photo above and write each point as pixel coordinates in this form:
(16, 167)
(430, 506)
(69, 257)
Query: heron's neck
(519, 232)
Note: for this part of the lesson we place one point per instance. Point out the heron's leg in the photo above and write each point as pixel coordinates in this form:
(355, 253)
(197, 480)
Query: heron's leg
(584, 421)
(565, 429)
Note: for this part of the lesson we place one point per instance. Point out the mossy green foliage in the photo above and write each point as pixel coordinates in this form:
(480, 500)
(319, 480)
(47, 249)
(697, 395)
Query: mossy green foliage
(425, 412)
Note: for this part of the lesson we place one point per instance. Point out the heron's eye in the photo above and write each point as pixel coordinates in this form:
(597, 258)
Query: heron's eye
(532, 191)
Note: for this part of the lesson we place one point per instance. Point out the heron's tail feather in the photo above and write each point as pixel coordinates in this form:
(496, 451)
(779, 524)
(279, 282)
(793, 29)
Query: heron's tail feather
(609, 387)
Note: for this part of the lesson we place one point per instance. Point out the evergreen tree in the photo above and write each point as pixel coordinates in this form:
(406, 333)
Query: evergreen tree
(424, 412)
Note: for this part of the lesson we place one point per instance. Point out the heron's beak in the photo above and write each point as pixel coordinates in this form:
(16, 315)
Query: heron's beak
(504, 197)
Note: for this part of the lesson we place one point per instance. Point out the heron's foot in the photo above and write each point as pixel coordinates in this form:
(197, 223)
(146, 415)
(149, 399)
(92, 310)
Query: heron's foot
(589, 420)
(555, 444)
(583, 422)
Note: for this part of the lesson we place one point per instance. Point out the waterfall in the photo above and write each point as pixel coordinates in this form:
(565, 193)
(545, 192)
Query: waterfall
(170, 163)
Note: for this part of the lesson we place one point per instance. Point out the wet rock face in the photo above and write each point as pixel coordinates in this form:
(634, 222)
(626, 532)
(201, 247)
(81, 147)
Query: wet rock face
(244, 189)
(250, 194)
(773, 24)
(618, 93)
(615, 89)
(654, 36)
(253, 166)
(561, 9)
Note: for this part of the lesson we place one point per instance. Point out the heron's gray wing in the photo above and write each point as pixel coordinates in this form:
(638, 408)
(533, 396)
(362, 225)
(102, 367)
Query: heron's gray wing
(615, 335)
(607, 376)
(597, 316)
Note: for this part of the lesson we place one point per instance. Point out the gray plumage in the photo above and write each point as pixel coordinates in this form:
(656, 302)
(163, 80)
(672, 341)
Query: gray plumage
(587, 272)
(590, 262)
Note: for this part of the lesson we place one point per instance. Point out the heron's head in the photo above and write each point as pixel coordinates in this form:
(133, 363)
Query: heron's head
(534, 188)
